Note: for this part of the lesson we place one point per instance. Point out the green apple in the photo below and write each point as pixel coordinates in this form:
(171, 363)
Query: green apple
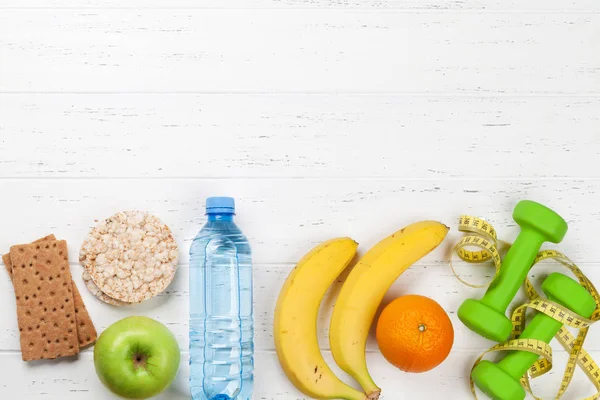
(136, 357)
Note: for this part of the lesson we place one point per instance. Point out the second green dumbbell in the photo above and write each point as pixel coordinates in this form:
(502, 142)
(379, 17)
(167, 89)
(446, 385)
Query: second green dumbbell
(487, 316)
(501, 381)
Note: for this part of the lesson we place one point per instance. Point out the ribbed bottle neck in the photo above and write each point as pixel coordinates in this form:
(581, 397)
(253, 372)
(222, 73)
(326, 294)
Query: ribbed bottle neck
(220, 217)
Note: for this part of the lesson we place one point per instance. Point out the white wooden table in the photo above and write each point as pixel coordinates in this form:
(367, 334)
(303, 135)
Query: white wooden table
(322, 118)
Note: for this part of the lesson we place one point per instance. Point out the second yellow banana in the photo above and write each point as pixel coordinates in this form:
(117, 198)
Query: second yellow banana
(364, 290)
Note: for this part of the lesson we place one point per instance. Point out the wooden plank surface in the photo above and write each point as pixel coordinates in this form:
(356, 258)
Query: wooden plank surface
(323, 118)
(171, 307)
(432, 5)
(284, 218)
(314, 51)
(74, 379)
(318, 136)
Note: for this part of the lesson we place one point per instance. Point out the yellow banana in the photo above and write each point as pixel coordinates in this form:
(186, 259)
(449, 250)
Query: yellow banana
(295, 325)
(364, 289)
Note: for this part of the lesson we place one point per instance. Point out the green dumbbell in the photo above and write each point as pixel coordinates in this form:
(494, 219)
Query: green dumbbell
(487, 317)
(501, 381)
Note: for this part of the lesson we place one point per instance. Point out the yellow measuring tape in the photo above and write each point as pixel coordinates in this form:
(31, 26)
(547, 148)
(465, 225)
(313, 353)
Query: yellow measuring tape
(482, 235)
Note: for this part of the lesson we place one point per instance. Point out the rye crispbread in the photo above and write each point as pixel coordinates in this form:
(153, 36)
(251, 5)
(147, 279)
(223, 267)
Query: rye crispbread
(44, 294)
(6, 257)
(86, 332)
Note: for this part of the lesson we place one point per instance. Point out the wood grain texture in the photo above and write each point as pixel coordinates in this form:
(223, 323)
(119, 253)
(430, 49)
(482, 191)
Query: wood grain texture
(426, 278)
(75, 379)
(316, 51)
(286, 217)
(318, 136)
(323, 118)
(64, 380)
(433, 5)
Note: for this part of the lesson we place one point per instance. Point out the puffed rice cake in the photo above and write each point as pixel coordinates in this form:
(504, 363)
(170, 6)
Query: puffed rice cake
(131, 256)
(99, 294)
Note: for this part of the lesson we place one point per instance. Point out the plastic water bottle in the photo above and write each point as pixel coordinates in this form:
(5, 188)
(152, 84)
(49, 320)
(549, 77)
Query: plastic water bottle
(221, 324)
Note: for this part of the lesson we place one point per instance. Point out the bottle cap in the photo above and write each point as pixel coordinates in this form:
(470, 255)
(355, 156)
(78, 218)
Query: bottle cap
(218, 205)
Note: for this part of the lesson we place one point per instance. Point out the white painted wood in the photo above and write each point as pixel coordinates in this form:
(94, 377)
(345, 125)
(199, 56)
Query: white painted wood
(171, 307)
(298, 51)
(323, 118)
(361, 208)
(314, 210)
(284, 218)
(316, 136)
(433, 5)
(75, 379)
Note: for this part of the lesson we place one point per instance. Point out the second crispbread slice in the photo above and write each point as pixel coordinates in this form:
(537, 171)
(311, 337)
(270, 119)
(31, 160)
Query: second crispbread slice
(7, 264)
(86, 332)
(44, 294)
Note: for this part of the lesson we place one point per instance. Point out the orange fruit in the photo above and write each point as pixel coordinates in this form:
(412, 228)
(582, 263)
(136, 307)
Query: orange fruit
(414, 333)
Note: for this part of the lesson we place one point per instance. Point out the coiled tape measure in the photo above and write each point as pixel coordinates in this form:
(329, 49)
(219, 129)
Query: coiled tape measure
(481, 234)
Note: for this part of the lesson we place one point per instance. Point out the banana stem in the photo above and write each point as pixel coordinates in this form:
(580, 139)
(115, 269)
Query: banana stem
(366, 382)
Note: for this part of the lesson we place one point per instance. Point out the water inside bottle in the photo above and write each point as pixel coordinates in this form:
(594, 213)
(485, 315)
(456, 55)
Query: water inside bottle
(221, 324)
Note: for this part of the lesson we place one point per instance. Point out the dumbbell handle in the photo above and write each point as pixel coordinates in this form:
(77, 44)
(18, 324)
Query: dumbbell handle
(542, 327)
(516, 265)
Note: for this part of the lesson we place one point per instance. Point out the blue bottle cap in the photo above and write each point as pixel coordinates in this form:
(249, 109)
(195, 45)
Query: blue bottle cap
(217, 205)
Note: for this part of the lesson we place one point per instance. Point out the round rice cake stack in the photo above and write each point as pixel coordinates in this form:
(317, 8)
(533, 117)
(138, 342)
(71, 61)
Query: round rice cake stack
(130, 257)
(99, 294)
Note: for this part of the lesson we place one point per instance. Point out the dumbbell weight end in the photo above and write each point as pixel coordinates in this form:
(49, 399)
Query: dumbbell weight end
(501, 381)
